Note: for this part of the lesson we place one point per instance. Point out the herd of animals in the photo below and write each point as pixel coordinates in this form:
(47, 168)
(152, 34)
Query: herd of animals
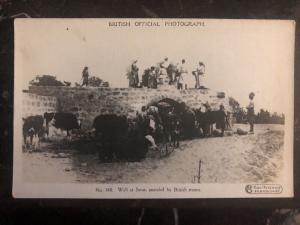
(119, 137)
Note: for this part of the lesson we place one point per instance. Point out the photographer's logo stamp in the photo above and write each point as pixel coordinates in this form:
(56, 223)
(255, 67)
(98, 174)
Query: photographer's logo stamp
(263, 189)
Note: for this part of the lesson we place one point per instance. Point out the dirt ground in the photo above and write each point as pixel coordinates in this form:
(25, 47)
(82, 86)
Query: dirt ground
(232, 159)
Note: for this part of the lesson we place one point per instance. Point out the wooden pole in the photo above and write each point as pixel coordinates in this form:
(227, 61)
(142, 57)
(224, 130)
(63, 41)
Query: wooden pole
(199, 171)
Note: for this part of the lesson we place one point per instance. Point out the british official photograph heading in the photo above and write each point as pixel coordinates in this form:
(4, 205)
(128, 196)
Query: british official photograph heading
(153, 23)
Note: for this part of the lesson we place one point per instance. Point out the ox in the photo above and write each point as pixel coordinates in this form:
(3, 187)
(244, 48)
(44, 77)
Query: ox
(207, 119)
(111, 129)
(63, 121)
(33, 128)
(120, 139)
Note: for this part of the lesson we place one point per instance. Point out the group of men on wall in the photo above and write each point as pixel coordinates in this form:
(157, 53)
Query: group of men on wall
(165, 73)
(170, 74)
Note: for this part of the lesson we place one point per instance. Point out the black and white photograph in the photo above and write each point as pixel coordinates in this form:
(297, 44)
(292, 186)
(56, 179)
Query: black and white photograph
(153, 108)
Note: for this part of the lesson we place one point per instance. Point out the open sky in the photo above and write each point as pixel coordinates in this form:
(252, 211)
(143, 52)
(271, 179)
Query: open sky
(240, 56)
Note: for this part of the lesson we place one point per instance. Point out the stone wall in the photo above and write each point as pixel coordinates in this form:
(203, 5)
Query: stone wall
(33, 104)
(89, 102)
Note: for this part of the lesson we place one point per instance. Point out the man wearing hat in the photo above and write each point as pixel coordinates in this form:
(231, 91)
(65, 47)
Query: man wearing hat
(163, 77)
(85, 76)
(200, 70)
(152, 81)
(134, 78)
(182, 78)
(250, 112)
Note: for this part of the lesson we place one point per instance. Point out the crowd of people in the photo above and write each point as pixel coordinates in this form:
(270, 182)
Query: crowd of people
(170, 124)
(165, 73)
(159, 125)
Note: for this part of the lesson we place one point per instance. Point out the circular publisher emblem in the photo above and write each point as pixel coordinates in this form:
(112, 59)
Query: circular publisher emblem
(263, 188)
(248, 188)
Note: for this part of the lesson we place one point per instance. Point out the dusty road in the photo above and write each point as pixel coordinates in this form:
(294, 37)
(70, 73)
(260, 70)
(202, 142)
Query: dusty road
(233, 159)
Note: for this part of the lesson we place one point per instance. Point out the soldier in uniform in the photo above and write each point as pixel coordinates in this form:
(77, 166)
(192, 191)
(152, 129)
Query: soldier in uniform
(182, 79)
(163, 76)
(152, 81)
(85, 76)
(250, 112)
(200, 70)
(134, 78)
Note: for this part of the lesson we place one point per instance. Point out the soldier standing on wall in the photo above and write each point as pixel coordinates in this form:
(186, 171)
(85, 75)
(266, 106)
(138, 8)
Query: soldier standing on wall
(134, 77)
(163, 76)
(182, 79)
(85, 76)
(250, 112)
(200, 70)
(152, 81)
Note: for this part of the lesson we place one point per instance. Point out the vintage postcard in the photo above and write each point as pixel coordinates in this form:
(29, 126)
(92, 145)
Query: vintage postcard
(153, 108)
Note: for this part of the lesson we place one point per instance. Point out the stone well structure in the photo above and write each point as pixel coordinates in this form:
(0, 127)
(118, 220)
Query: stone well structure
(33, 104)
(89, 102)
